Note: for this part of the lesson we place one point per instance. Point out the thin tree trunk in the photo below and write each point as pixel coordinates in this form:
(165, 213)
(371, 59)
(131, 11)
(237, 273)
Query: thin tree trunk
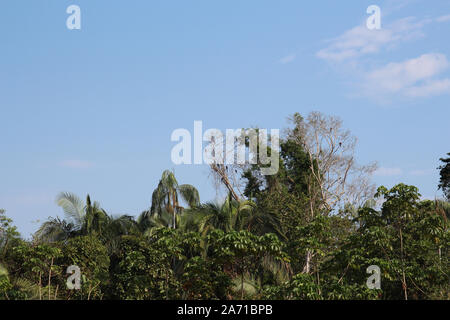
(307, 266)
(50, 279)
(242, 286)
(174, 226)
(89, 292)
(6, 245)
(167, 286)
(318, 283)
(220, 171)
(56, 292)
(40, 285)
(403, 267)
(174, 206)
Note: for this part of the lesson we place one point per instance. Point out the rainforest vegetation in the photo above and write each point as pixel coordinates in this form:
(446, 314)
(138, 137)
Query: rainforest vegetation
(308, 232)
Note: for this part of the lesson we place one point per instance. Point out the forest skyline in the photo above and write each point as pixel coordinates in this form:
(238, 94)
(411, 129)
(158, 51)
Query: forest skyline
(92, 110)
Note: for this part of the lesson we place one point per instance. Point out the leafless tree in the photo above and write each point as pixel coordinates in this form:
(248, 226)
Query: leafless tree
(335, 178)
(226, 175)
(244, 147)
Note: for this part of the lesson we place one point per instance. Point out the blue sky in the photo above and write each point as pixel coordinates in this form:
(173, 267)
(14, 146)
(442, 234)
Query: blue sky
(92, 110)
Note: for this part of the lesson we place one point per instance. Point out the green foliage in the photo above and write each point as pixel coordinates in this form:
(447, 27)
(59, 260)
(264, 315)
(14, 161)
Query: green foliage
(205, 280)
(242, 252)
(84, 219)
(166, 198)
(91, 256)
(8, 234)
(38, 265)
(5, 285)
(444, 182)
(280, 243)
(143, 269)
(407, 239)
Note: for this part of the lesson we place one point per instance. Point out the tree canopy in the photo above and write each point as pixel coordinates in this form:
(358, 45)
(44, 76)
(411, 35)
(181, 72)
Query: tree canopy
(311, 231)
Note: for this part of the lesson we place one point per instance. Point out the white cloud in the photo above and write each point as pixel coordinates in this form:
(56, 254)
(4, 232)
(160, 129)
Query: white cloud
(360, 41)
(287, 59)
(443, 18)
(388, 172)
(430, 88)
(391, 6)
(27, 199)
(420, 172)
(76, 164)
(411, 78)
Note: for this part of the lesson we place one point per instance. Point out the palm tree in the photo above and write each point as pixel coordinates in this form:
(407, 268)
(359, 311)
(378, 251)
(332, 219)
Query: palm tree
(54, 230)
(83, 219)
(228, 216)
(165, 198)
(147, 221)
(251, 283)
(213, 215)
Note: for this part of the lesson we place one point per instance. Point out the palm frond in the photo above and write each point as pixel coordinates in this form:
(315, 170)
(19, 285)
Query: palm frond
(190, 195)
(72, 205)
(54, 230)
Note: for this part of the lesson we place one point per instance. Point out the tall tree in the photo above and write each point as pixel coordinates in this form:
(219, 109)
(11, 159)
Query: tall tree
(444, 182)
(166, 197)
(334, 177)
(8, 233)
(228, 216)
(408, 240)
(334, 171)
(83, 219)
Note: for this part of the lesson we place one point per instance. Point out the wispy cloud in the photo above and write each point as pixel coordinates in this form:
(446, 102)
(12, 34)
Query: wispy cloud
(416, 77)
(27, 199)
(388, 172)
(443, 18)
(430, 88)
(394, 171)
(76, 164)
(412, 78)
(392, 6)
(287, 59)
(360, 41)
(425, 172)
